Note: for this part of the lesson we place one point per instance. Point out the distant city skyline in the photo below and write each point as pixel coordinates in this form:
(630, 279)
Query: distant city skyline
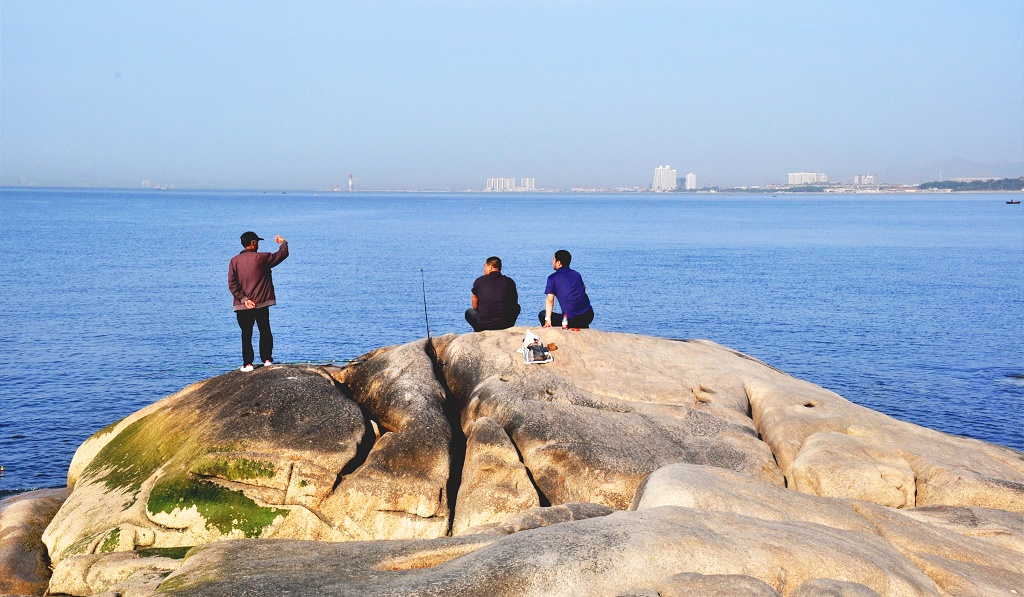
(297, 96)
(509, 184)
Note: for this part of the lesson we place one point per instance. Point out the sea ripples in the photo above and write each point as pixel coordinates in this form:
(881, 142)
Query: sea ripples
(115, 299)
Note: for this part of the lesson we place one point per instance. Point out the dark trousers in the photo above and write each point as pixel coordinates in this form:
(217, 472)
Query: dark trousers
(473, 319)
(580, 321)
(261, 317)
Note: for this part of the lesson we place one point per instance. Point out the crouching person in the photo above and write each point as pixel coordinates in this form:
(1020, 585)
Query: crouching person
(495, 299)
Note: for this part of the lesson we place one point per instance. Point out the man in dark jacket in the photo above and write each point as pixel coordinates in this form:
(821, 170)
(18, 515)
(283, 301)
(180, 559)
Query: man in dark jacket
(495, 299)
(251, 284)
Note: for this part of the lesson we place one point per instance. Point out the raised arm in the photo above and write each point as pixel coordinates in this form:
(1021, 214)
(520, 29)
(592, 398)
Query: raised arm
(281, 254)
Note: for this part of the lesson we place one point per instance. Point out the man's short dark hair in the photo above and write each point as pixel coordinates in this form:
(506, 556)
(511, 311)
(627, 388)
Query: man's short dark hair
(562, 256)
(494, 262)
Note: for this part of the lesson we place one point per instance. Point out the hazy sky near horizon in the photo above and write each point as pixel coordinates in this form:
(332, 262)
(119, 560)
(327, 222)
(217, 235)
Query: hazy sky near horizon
(444, 94)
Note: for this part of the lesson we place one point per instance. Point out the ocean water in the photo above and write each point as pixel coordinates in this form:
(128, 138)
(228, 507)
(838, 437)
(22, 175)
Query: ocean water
(111, 299)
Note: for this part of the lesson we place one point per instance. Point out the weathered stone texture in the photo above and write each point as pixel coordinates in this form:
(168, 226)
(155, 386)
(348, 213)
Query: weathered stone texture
(24, 563)
(213, 461)
(609, 410)
(122, 573)
(628, 466)
(719, 585)
(495, 484)
(400, 490)
(598, 556)
(944, 553)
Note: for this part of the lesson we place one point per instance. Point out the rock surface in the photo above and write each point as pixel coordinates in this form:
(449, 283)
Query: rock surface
(628, 466)
(949, 554)
(401, 489)
(495, 484)
(240, 455)
(598, 556)
(609, 410)
(122, 573)
(719, 585)
(24, 564)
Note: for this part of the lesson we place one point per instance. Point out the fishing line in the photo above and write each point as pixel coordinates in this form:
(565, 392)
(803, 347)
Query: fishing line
(426, 318)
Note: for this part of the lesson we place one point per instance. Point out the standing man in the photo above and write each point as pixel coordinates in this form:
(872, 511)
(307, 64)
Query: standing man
(495, 299)
(567, 286)
(250, 282)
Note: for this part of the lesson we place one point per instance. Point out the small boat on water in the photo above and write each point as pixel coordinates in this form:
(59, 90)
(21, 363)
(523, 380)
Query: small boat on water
(1013, 202)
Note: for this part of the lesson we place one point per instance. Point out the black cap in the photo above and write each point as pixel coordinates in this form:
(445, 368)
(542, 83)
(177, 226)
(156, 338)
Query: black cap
(248, 237)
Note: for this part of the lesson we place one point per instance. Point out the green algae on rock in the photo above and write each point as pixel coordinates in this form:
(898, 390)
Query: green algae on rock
(109, 543)
(233, 469)
(216, 460)
(224, 509)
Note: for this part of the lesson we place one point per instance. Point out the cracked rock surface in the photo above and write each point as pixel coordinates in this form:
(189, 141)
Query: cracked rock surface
(630, 465)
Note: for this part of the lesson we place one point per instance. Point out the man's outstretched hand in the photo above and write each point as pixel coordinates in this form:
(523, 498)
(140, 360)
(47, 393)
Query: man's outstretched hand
(278, 239)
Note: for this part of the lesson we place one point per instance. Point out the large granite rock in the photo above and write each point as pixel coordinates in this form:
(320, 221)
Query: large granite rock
(610, 409)
(240, 455)
(613, 407)
(286, 451)
(24, 563)
(628, 466)
(495, 484)
(953, 555)
(122, 573)
(400, 490)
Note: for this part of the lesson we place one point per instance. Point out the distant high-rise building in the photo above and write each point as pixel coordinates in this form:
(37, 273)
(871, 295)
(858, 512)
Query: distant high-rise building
(664, 179)
(691, 181)
(501, 184)
(865, 179)
(529, 184)
(807, 177)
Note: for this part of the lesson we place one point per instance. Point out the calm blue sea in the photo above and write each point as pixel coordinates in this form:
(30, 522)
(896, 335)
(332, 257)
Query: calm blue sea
(911, 305)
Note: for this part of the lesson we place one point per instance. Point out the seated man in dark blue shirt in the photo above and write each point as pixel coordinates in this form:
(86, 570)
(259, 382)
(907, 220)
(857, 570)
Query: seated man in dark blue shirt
(567, 286)
(495, 299)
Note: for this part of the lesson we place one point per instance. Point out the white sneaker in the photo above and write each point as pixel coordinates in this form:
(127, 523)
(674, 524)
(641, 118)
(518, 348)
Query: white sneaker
(245, 368)
(268, 363)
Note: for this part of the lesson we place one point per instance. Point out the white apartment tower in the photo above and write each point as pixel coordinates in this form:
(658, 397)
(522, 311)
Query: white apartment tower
(664, 179)
(691, 181)
(501, 184)
(807, 177)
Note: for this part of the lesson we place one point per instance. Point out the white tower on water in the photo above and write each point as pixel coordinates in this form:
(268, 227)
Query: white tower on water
(350, 183)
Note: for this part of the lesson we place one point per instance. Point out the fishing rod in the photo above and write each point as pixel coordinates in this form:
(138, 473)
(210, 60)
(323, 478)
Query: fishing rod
(426, 318)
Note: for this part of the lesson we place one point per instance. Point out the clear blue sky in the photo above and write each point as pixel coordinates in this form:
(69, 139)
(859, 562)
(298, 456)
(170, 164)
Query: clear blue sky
(441, 94)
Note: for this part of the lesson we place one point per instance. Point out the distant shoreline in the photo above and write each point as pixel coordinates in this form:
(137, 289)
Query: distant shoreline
(575, 191)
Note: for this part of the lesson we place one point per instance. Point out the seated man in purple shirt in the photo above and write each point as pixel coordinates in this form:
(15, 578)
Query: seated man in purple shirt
(495, 299)
(567, 286)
